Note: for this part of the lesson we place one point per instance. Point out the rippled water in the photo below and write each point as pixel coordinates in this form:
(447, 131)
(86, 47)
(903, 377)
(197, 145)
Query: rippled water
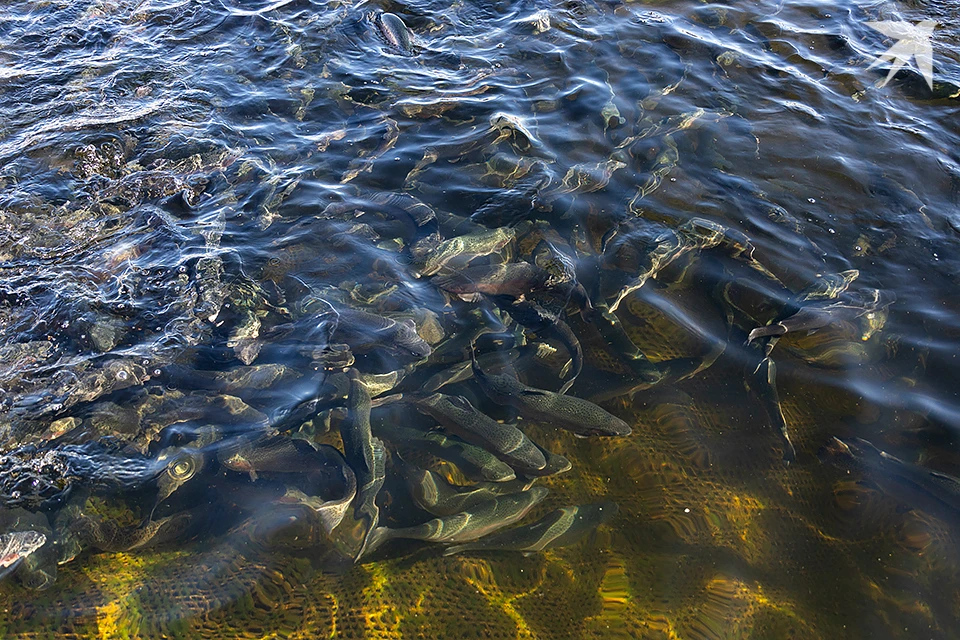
(192, 203)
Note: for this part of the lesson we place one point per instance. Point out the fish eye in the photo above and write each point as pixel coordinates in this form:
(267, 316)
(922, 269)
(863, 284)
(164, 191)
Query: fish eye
(182, 468)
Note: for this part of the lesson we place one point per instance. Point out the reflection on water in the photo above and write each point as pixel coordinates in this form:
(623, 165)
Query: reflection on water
(242, 244)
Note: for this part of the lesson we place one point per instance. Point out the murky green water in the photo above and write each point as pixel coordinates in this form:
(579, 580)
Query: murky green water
(222, 224)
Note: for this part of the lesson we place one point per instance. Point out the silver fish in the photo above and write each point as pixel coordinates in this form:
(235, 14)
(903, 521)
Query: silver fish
(560, 528)
(582, 417)
(503, 440)
(475, 462)
(438, 497)
(366, 455)
(467, 526)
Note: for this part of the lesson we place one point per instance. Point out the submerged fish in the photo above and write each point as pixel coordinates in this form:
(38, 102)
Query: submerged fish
(16, 546)
(438, 497)
(366, 455)
(559, 528)
(467, 526)
(475, 462)
(463, 371)
(512, 279)
(455, 253)
(503, 440)
(819, 315)
(911, 484)
(366, 332)
(555, 465)
(582, 417)
(534, 317)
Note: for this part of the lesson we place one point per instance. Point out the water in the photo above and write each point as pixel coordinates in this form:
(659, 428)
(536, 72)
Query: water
(165, 169)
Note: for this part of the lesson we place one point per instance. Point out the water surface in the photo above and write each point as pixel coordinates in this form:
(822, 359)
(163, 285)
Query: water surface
(164, 171)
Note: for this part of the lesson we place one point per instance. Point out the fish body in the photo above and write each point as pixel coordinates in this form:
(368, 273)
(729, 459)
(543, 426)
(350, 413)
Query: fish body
(503, 440)
(819, 315)
(462, 370)
(911, 484)
(558, 528)
(438, 497)
(475, 462)
(17, 545)
(467, 526)
(513, 279)
(455, 253)
(394, 32)
(579, 416)
(365, 331)
(538, 319)
(556, 464)
(365, 454)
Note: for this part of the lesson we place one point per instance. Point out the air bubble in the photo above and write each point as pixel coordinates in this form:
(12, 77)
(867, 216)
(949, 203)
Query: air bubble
(122, 375)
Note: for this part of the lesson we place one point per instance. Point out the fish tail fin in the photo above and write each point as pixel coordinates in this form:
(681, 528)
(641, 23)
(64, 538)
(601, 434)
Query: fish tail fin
(374, 540)
(762, 332)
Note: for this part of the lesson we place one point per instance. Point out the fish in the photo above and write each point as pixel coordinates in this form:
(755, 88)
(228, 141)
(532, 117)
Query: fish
(455, 253)
(438, 497)
(819, 315)
(911, 484)
(365, 454)
(463, 370)
(556, 464)
(577, 415)
(485, 518)
(329, 512)
(534, 317)
(505, 441)
(512, 279)
(393, 30)
(16, 546)
(475, 462)
(184, 463)
(559, 528)
(366, 332)
(763, 382)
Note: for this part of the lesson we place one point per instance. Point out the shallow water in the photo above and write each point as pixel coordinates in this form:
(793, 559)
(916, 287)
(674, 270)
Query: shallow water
(165, 175)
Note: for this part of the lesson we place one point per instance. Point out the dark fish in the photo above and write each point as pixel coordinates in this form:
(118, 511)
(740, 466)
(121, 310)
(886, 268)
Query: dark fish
(467, 526)
(183, 464)
(559, 528)
(394, 32)
(911, 484)
(817, 316)
(582, 417)
(365, 454)
(556, 464)
(464, 371)
(763, 382)
(505, 441)
(366, 332)
(475, 462)
(541, 321)
(436, 496)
